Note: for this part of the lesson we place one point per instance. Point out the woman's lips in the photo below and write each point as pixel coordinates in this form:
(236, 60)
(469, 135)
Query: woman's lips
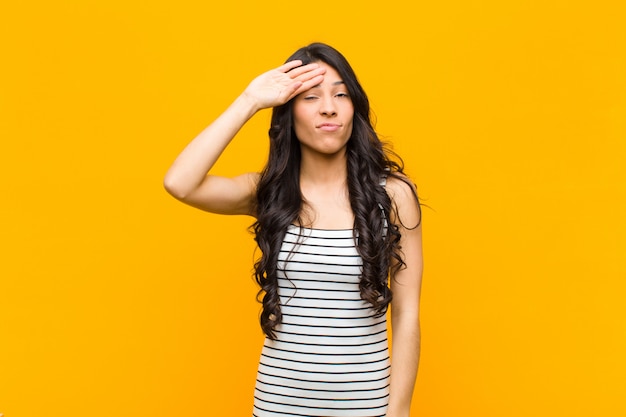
(329, 127)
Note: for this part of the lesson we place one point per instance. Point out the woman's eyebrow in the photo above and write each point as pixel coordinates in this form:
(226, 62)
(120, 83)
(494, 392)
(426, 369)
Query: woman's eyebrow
(335, 83)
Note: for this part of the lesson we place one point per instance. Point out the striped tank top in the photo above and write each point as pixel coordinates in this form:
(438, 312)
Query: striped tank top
(331, 356)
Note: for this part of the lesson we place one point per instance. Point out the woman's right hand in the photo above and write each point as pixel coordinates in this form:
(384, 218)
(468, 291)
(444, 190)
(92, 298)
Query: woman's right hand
(188, 178)
(278, 86)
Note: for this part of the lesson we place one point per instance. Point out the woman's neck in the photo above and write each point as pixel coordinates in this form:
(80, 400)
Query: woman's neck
(324, 170)
(324, 187)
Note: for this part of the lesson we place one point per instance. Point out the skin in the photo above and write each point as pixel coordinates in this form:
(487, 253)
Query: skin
(323, 115)
(189, 180)
(323, 124)
(406, 287)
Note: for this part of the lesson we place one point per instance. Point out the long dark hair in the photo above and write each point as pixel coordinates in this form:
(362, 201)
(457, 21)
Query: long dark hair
(279, 201)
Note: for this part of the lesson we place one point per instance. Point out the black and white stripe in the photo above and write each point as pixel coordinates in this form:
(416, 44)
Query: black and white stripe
(330, 357)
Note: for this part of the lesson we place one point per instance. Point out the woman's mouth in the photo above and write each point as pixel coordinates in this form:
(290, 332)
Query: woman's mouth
(328, 127)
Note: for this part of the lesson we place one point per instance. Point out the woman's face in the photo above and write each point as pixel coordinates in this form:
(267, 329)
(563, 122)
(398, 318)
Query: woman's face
(323, 115)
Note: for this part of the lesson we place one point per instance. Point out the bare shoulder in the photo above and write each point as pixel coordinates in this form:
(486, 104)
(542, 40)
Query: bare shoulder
(403, 194)
(400, 186)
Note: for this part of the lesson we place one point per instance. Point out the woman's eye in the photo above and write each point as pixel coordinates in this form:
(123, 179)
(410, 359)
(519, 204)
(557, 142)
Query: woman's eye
(342, 95)
(310, 97)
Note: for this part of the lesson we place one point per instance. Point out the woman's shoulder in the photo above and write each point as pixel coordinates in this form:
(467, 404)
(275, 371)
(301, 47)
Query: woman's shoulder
(399, 185)
(403, 194)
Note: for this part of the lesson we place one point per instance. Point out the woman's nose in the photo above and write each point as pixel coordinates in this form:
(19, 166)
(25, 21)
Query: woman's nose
(327, 107)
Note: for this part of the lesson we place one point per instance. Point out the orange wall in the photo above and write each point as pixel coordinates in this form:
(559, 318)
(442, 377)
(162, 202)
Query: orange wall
(115, 300)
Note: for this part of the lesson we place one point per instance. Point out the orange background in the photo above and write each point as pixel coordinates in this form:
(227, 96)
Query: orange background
(116, 300)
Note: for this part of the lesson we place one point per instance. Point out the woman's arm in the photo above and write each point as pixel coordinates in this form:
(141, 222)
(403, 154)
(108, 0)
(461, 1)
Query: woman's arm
(405, 285)
(188, 179)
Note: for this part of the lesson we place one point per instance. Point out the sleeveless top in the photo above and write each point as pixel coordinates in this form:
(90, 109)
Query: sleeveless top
(331, 355)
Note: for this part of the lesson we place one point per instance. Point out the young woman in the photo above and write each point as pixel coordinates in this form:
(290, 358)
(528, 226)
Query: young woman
(339, 229)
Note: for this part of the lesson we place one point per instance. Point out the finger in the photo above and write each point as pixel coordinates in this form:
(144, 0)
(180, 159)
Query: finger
(290, 91)
(293, 89)
(305, 69)
(307, 85)
(289, 65)
(312, 82)
(311, 74)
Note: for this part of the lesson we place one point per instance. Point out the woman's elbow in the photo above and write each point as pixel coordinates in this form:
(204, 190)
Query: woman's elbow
(174, 188)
